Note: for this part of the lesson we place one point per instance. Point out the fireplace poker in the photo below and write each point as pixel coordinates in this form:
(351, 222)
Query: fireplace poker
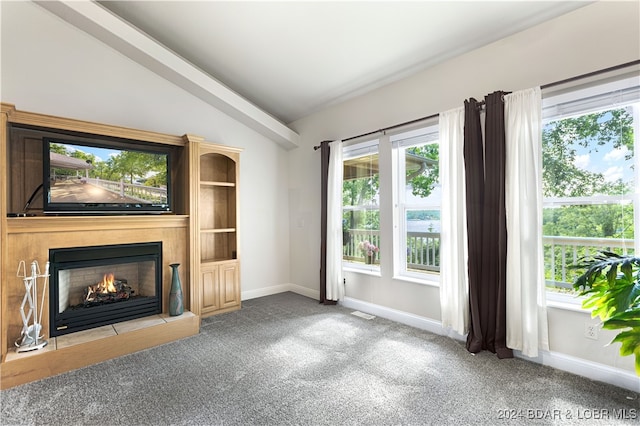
(34, 297)
(44, 290)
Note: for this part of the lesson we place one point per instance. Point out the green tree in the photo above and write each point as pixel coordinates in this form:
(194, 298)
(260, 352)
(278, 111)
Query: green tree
(132, 165)
(561, 139)
(89, 158)
(424, 179)
(597, 221)
(57, 148)
(361, 192)
(103, 170)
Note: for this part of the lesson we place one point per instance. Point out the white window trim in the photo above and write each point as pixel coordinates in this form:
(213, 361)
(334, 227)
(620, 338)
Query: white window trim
(595, 97)
(359, 268)
(565, 301)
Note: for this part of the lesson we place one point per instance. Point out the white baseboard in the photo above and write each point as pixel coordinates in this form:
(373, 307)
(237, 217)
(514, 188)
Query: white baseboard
(394, 315)
(571, 364)
(589, 369)
(281, 288)
(305, 291)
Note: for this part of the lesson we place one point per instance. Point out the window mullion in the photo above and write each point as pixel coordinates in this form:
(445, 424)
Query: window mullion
(636, 176)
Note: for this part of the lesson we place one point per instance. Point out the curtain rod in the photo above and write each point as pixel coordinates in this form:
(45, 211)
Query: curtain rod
(591, 74)
(384, 129)
(545, 86)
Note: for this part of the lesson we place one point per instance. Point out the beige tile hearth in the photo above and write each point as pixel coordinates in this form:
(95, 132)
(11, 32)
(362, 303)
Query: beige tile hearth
(169, 318)
(137, 324)
(98, 333)
(84, 336)
(88, 347)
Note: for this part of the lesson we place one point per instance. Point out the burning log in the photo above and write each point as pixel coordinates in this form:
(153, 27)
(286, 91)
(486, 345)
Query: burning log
(107, 291)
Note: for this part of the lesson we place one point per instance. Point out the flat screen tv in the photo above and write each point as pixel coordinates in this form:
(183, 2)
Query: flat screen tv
(105, 178)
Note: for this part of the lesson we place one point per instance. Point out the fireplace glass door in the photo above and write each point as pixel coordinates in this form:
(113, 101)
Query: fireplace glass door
(95, 286)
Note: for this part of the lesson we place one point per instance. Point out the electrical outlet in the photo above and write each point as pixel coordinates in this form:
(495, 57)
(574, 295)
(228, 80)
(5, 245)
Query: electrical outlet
(591, 331)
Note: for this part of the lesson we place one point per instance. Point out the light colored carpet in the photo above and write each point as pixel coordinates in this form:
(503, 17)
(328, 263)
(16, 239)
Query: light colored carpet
(286, 360)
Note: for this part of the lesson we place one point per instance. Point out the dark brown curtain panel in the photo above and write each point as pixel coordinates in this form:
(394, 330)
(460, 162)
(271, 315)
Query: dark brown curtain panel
(486, 222)
(474, 180)
(325, 152)
(324, 179)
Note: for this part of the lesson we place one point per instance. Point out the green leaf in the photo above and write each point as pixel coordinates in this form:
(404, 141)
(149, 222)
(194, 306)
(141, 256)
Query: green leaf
(627, 269)
(612, 274)
(630, 345)
(612, 292)
(626, 319)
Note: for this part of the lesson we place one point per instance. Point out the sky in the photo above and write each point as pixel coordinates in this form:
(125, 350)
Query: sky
(607, 160)
(101, 154)
(611, 164)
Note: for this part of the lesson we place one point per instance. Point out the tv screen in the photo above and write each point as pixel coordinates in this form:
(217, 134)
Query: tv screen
(85, 177)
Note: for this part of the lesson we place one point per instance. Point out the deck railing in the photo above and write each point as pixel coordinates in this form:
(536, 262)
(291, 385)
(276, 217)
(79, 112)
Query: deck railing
(560, 253)
(351, 241)
(132, 190)
(423, 248)
(423, 251)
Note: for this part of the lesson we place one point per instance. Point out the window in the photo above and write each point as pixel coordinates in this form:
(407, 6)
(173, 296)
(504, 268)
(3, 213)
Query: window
(417, 202)
(361, 206)
(589, 177)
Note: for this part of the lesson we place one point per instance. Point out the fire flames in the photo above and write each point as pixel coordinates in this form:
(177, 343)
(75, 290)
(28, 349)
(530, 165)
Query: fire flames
(106, 286)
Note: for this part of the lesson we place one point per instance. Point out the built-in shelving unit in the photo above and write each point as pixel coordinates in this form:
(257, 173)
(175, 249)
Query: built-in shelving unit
(215, 258)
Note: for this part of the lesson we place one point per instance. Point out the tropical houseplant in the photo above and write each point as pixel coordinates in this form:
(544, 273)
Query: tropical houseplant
(611, 286)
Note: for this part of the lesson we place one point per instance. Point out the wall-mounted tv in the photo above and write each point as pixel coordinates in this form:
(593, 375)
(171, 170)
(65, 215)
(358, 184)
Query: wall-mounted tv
(105, 178)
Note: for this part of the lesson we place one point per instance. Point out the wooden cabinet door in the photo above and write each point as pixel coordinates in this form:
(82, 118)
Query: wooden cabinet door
(229, 285)
(210, 288)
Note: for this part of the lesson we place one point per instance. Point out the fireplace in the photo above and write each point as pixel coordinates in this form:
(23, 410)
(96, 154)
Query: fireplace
(101, 285)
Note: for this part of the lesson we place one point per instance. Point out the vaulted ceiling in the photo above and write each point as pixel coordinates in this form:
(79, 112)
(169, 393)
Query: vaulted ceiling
(267, 64)
(293, 58)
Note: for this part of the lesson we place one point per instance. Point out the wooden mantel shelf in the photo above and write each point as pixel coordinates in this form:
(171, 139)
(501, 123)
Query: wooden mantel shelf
(39, 224)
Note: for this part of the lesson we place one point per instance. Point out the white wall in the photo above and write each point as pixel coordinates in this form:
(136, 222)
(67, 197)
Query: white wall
(594, 37)
(51, 67)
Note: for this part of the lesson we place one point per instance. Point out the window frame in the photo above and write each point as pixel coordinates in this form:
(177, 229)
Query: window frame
(427, 133)
(350, 152)
(596, 96)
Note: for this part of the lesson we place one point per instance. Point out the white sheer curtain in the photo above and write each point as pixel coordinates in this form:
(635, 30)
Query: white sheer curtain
(334, 223)
(454, 287)
(527, 329)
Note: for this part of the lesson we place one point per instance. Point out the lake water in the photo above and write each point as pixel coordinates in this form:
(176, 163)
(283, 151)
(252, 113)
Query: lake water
(423, 226)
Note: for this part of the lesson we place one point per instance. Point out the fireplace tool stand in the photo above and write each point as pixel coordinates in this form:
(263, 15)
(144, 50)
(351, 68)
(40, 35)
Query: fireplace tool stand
(32, 320)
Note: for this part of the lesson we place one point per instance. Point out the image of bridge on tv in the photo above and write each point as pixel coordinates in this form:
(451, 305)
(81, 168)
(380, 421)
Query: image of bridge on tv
(71, 182)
